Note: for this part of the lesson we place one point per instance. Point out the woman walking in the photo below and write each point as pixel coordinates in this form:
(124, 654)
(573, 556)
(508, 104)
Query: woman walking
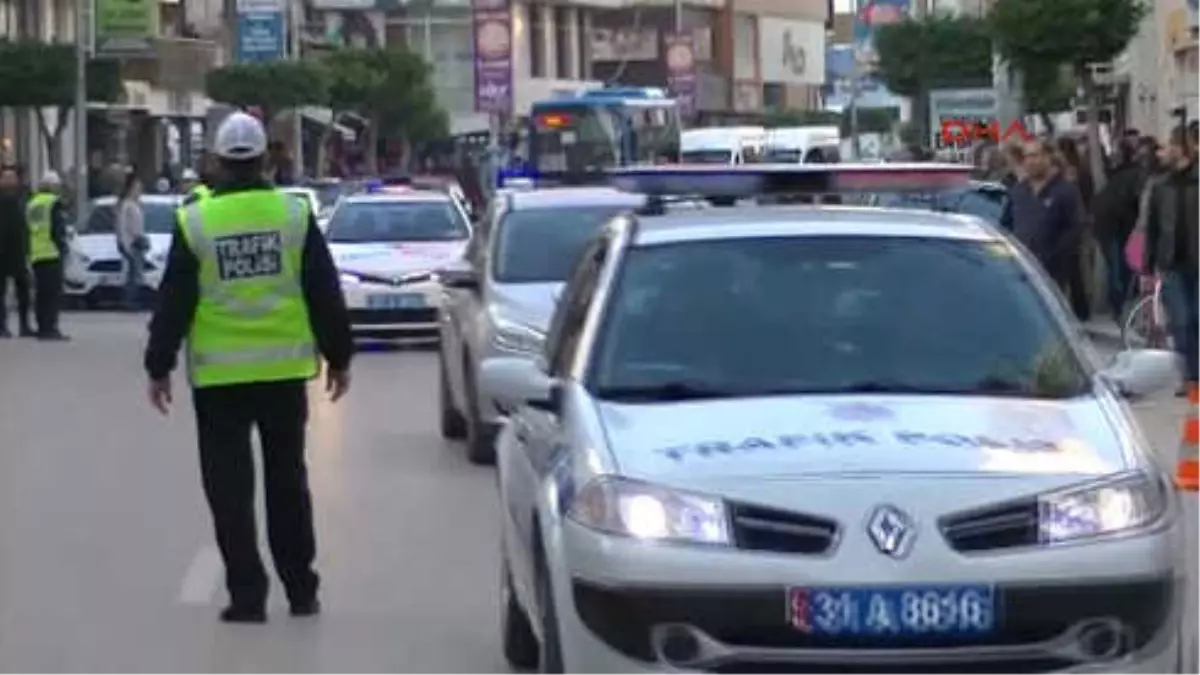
(131, 239)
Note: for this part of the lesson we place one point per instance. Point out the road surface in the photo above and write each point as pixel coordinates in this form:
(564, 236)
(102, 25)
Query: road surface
(106, 555)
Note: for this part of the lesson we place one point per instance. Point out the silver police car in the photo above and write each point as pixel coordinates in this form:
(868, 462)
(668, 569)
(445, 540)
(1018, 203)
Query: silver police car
(816, 439)
(499, 298)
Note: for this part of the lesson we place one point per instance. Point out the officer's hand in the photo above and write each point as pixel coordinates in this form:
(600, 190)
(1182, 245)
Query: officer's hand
(159, 393)
(337, 383)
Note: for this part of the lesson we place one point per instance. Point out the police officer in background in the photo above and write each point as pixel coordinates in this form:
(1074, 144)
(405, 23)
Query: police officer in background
(47, 219)
(251, 287)
(192, 188)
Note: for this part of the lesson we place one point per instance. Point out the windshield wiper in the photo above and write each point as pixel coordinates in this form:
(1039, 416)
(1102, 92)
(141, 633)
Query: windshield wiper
(679, 390)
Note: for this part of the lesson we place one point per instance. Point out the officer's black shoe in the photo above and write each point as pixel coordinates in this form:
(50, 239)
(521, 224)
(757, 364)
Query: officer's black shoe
(4, 334)
(53, 336)
(309, 607)
(239, 614)
(27, 332)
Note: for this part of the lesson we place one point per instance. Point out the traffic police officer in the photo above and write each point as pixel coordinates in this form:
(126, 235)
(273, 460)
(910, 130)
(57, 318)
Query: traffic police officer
(251, 287)
(192, 188)
(47, 220)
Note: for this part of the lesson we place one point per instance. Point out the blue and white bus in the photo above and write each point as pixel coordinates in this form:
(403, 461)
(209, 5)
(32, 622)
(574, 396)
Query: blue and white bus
(602, 128)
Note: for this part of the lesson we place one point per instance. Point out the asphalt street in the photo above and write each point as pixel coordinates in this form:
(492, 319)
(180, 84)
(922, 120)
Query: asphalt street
(106, 555)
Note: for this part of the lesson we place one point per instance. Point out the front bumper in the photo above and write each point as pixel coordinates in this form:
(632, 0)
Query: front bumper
(101, 276)
(624, 606)
(390, 312)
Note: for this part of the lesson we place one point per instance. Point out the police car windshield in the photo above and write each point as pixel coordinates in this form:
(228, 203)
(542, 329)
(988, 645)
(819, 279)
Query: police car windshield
(541, 245)
(747, 317)
(158, 216)
(389, 221)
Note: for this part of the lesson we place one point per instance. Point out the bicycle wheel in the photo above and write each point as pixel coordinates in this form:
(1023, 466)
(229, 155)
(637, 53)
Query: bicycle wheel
(1138, 330)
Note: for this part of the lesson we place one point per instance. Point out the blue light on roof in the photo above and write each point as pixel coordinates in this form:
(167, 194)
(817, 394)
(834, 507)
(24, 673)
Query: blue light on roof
(760, 180)
(373, 186)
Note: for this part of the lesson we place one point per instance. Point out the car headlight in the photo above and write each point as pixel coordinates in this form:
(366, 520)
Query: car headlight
(350, 279)
(1126, 503)
(415, 277)
(638, 510)
(511, 336)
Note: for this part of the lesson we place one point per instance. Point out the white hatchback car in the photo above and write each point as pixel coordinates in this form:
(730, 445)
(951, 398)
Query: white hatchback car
(99, 270)
(815, 439)
(387, 244)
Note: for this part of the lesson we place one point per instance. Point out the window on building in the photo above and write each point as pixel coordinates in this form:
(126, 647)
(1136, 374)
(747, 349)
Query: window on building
(562, 42)
(585, 43)
(745, 56)
(702, 43)
(537, 43)
(774, 96)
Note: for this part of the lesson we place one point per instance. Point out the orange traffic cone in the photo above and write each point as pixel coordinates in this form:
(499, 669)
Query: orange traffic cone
(1185, 472)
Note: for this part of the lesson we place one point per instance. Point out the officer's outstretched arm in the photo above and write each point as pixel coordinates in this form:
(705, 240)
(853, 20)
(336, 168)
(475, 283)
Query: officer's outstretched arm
(178, 295)
(326, 305)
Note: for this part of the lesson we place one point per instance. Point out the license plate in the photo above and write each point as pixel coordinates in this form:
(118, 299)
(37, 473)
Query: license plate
(396, 301)
(897, 611)
(111, 279)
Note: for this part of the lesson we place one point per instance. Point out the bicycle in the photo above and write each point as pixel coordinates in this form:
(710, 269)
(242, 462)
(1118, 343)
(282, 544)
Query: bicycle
(1145, 324)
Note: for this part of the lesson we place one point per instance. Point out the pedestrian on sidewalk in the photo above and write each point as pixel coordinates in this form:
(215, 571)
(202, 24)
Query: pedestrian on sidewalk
(1116, 214)
(131, 239)
(47, 219)
(14, 251)
(1044, 215)
(252, 288)
(1172, 239)
(1075, 168)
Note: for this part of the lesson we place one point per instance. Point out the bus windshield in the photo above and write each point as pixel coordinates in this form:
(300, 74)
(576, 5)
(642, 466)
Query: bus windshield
(575, 139)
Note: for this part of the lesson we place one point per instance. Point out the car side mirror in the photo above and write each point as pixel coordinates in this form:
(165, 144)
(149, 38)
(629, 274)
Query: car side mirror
(515, 381)
(1142, 372)
(463, 278)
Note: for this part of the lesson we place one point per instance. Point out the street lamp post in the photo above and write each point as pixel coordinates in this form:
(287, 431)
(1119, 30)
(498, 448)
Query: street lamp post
(82, 35)
(293, 22)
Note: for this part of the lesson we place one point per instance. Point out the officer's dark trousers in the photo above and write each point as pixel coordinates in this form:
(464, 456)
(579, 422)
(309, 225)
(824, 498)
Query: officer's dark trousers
(48, 283)
(225, 418)
(15, 270)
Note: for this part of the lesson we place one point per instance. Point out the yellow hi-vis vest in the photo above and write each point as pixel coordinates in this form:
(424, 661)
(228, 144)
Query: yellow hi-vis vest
(251, 322)
(201, 191)
(41, 237)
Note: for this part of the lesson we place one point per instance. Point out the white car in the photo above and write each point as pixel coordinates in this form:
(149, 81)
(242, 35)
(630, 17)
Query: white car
(387, 244)
(815, 439)
(313, 200)
(99, 270)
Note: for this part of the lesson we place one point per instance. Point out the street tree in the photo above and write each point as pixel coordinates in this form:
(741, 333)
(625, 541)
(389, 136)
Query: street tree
(41, 76)
(918, 55)
(393, 90)
(353, 80)
(273, 86)
(1047, 89)
(1033, 34)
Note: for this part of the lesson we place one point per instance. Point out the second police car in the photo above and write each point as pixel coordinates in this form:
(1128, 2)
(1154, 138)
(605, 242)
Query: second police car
(499, 298)
(813, 439)
(387, 243)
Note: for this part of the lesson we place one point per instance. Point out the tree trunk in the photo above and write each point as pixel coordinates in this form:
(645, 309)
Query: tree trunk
(1095, 154)
(372, 138)
(1047, 121)
(920, 115)
(323, 148)
(50, 137)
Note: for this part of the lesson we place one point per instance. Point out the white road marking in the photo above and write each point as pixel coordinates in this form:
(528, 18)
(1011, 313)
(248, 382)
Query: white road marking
(202, 578)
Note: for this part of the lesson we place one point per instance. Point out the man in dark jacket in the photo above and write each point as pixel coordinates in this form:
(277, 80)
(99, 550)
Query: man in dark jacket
(1116, 213)
(1045, 215)
(1172, 239)
(14, 251)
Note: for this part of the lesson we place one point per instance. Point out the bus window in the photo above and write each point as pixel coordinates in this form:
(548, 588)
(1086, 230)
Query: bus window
(575, 139)
(655, 133)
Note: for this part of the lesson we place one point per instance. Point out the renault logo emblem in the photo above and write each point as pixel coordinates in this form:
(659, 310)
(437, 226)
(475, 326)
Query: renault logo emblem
(891, 530)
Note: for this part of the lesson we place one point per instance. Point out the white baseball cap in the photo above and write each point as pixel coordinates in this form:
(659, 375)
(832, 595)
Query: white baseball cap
(189, 174)
(240, 136)
(51, 178)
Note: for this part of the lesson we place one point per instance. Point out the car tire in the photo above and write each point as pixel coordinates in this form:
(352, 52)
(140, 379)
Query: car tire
(521, 648)
(453, 424)
(481, 436)
(550, 659)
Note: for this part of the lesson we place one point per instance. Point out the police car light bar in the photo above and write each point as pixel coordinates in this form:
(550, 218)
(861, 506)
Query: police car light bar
(761, 180)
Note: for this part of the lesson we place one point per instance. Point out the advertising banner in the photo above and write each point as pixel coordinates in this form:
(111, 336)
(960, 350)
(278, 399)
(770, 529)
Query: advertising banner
(869, 16)
(493, 56)
(950, 108)
(791, 52)
(681, 70)
(126, 27)
(261, 31)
